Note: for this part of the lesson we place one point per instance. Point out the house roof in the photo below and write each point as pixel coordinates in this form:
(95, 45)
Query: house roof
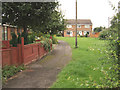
(79, 21)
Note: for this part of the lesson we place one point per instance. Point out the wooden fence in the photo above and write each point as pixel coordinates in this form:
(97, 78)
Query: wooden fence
(23, 54)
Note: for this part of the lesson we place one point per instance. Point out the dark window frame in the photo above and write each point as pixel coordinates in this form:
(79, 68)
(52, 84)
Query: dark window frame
(68, 32)
(4, 33)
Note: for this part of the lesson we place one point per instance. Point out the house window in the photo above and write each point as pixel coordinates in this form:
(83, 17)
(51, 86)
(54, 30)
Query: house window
(88, 33)
(3, 34)
(78, 26)
(68, 32)
(85, 32)
(69, 26)
(87, 26)
(79, 33)
(6, 33)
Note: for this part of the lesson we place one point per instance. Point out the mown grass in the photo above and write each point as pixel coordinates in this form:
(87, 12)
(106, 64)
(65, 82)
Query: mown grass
(85, 68)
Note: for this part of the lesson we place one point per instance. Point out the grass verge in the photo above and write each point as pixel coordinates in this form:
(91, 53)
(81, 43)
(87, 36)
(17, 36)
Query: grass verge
(85, 69)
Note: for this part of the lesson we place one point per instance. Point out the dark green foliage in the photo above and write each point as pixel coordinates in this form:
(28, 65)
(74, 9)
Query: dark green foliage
(86, 35)
(39, 34)
(14, 40)
(47, 35)
(54, 40)
(98, 29)
(81, 36)
(25, 35)
(103, 34)
(58, 35)
(31, 38)
(39, 16)
(111, 35)
(9, 71)
(46, 43)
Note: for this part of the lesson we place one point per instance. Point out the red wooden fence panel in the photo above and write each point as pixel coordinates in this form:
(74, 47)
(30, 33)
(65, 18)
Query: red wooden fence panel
(6, 57)
(14, 56)
(30, 53)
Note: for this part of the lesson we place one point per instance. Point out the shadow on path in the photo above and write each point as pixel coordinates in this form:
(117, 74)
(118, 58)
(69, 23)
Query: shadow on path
(43, 73)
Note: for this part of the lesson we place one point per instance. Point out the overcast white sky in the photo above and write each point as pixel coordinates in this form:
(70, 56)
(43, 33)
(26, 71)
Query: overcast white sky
(96, 10)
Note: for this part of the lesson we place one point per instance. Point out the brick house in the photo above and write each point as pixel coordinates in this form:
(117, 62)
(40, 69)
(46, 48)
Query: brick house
(7, 30)
(84, 26)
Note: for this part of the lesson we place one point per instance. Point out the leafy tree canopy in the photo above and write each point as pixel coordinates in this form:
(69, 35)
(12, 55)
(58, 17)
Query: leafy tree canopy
(98, 29)
(39, 16)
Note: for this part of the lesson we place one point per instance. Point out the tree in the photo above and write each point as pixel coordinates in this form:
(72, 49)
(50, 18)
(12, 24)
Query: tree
(98, 29)
(28, 15)
(54, 24)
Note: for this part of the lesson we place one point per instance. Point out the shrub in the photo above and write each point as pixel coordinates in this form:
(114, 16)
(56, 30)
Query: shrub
(39, 34)
(46, 44)
(31, 38)
(54, 40)
(81, 36)
(9, 71)
(47, 35)
(58, 35)
(103, 35)
(108, 34)
(14, 40)
(86, 35)
(25, 35)
(112, 74)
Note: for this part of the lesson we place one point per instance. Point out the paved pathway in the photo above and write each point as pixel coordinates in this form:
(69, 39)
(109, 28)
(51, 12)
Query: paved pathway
(43, 73)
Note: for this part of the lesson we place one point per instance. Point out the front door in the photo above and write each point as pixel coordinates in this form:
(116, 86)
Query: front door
(71, 33)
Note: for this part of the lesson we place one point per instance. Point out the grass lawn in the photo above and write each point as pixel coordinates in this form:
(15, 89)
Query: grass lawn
(85, 68)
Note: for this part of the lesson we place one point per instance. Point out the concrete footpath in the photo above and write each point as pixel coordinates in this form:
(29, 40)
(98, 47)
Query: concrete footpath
(43, 73)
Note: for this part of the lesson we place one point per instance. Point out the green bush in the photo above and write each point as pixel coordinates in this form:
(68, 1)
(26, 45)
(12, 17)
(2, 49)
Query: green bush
(47, 35)
(54, 40)
(46, 43)
(103, 35)
(112, 74)
(25, 35)
(14, 40)
(31, 38)
(9, 71)
(86, 35)
(58, 35)
(81, 36)
(39, 34)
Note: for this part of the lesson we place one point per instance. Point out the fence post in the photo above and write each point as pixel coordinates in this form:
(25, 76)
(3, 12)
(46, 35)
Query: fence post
(19, 54)
(22, 50)
(38, 51)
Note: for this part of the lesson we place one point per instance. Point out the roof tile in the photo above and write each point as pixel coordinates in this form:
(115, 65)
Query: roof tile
(79, 21)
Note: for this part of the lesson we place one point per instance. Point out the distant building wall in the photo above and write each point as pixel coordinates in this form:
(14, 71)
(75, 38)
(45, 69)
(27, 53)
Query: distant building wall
(82, 29)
